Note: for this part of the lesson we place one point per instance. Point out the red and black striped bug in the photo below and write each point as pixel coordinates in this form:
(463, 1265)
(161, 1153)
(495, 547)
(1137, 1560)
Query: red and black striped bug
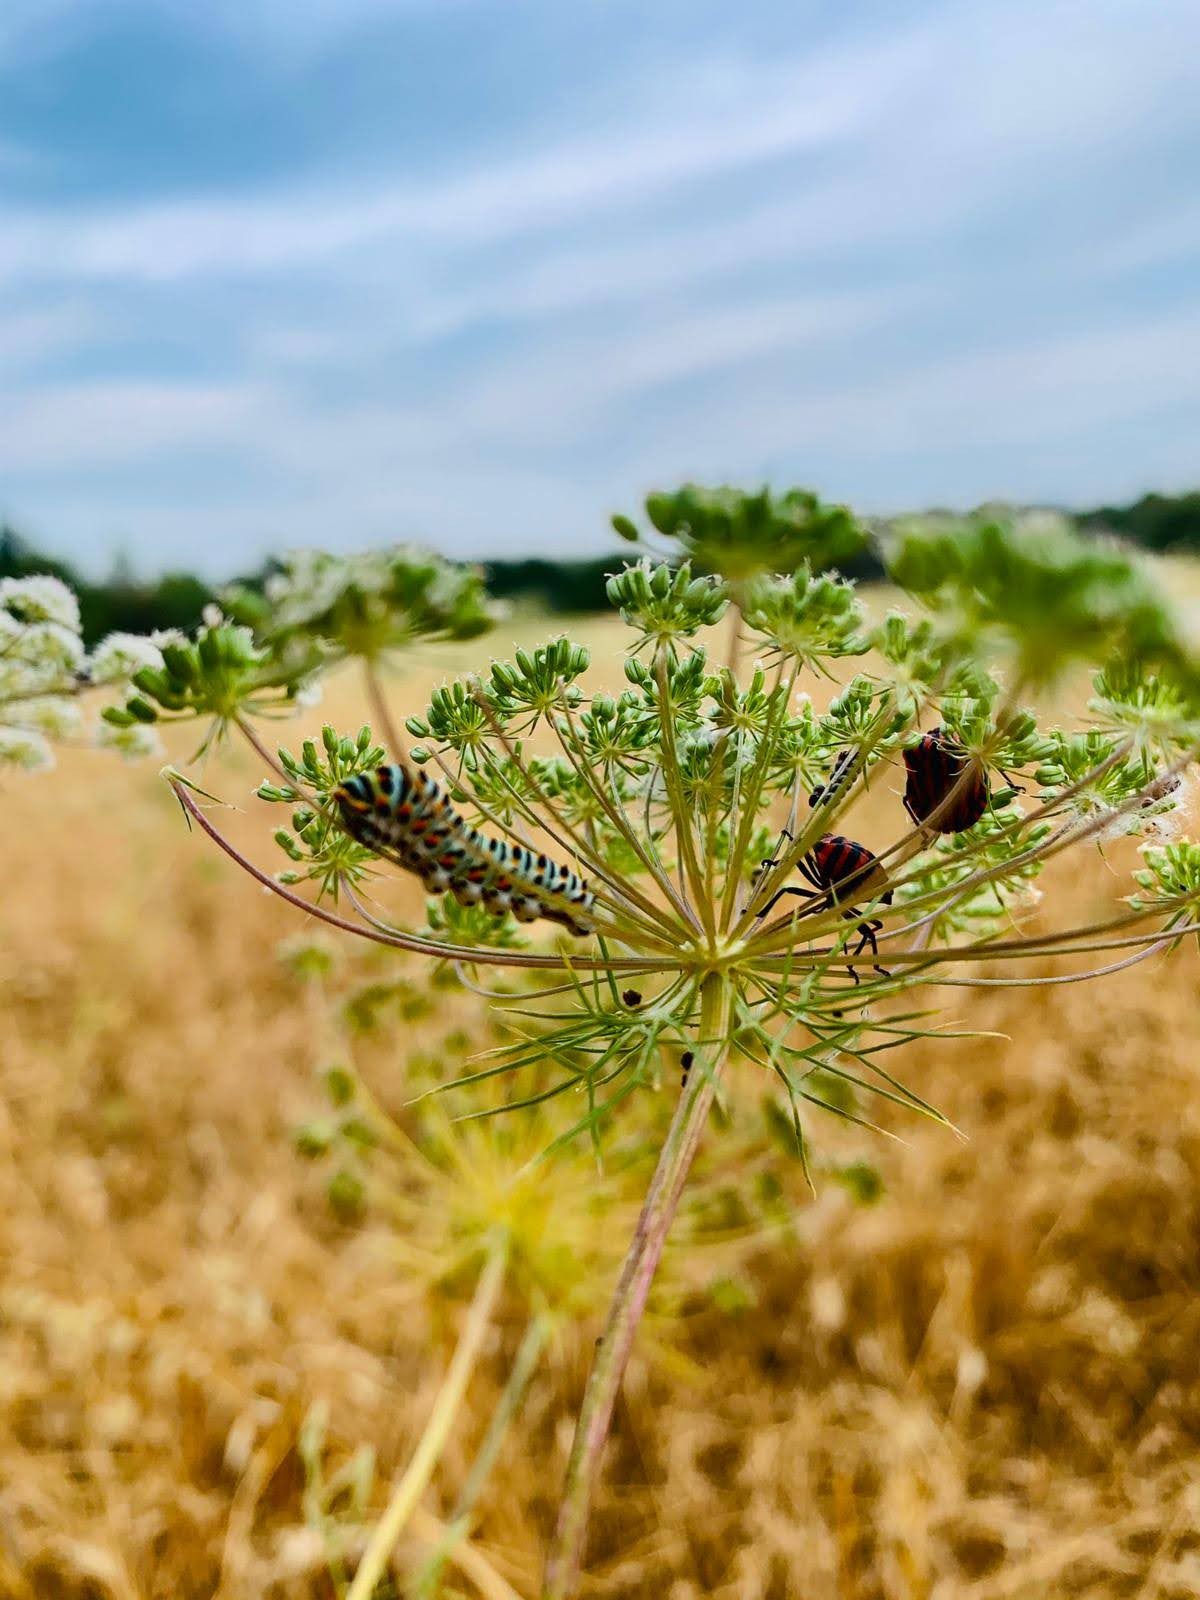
(944, 784)
(842, 871)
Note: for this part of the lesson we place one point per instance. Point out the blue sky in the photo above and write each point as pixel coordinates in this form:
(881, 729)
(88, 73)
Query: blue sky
(281, 272)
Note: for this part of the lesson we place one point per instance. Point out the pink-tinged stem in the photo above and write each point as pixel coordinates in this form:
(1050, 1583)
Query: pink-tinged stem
(633, 1288)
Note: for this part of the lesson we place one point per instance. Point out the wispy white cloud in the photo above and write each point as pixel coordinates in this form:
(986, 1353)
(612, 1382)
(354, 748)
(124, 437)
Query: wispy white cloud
(74, 426)
(793, 110)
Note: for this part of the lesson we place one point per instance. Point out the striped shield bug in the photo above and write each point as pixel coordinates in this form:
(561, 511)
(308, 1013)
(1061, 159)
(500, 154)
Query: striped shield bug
(841, 871)
(944, 790)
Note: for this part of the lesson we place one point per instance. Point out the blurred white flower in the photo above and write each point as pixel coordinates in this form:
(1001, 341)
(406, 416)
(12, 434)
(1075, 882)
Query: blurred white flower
(134, 743)
(52, 715)
(212, 616)
(25, 749)
(40, 599)
(119, 655)
(47, 647)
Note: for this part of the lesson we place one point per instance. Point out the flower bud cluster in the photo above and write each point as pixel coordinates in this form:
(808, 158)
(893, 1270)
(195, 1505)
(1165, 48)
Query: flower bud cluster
(221, 675)
(322, 851)
(368, 604)
(738, 535)
(665, 603)
(1033, 590)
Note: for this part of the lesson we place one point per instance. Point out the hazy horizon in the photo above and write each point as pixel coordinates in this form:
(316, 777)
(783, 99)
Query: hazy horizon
(478, 275)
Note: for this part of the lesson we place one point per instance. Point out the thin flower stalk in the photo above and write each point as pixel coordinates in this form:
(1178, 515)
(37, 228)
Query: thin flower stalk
(643, 847)
(432, 1442)
(426, 1582)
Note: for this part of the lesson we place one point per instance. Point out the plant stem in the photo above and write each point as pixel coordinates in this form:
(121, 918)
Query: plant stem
(633, 1287)
(681, 815)
(261, 750)
(383, 712)
(426, 1582)
(471, 1562)
(437, 1430)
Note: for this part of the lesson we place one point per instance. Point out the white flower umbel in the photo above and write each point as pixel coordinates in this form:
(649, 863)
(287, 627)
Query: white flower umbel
(119, 655)
(25, 749)
(135, 742)
(41, 598)
(56, 717)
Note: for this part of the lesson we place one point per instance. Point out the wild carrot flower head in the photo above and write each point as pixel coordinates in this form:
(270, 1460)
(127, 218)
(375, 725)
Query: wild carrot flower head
(705, 818)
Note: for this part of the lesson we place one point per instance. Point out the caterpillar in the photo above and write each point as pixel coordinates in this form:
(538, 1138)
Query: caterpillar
(845, 770)
(405, 817)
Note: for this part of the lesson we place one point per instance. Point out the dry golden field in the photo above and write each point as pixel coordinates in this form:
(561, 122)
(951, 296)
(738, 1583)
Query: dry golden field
(986, 1385)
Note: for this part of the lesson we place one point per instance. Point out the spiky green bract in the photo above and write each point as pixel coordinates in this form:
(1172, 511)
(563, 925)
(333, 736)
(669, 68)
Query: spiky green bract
(1158, 708)
(744, 713)
(537, 682)
(470, 925)
(975, 881)
(924, 666)
(738, 535)
(323, 852)
(681, 692)
(617, 732)
(366, 605)
(1010, 744)
(1101, 778)
(455, 720)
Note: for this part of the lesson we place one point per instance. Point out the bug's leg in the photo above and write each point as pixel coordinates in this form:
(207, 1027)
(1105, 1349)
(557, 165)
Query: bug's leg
(802, 894)
(850, 915)
(809, 871)
(868, 930)
(908, 806)
(1011, 781)
(773, 861)
(765, 866)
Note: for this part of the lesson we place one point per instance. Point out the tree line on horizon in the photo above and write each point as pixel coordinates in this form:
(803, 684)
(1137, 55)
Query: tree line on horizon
(125, 603)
